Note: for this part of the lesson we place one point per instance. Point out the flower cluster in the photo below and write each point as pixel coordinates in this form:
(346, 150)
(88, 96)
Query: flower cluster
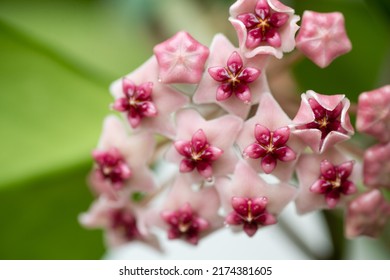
(223, 151)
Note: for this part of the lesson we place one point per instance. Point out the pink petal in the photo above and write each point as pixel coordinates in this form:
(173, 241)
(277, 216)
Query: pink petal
(285, 154)
(250, 229)
(258, 205)
(234, 63)
(249, 74)
(248, 19)
(218, 73)
(254, 38)
(269, 219)
(199, 140)
(262, 134)
(345, 169)
(233, 219)
(128, 87)
(212, 153)
(281, 136)
(254, 151)
(348, 188)
(328, 170)
(332, 199)
(134, 119)
(279, 19)
(268, 163)
(262, 9)
(148, 109)
(243, 93)
(183, 147)
(320, 186)
(120, 105)
(145, 90)
(205, 169)
(240, 205)
(224, 91)
(273, 38)
(186, 165)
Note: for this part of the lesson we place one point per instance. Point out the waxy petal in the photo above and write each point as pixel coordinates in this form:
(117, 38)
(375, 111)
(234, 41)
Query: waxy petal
(254, 151)
(186, 165)
(250, 229)
(183, 147)
(235, 63)
(262, 134)
(328, 170)
(268, 163)
(199, 141)
(218, 73)
(224, 91)
(285, 154)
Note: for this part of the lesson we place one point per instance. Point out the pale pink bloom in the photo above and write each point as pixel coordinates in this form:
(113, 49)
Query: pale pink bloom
(264, 27)
(190, 214)
(204, 149)
(367, 215)
(322, 37)
(376, 166)
(266, 142)
(122, 221)
(181, 59)
(251, 203)
(373, 114)
(325, 180)
(231, 80)
(322, 120)
(146, 103)
(121, 160)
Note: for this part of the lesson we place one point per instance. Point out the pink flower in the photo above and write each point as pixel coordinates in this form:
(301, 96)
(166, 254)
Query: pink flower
(322, 37)
(266, 141)
(324, 180)
(367, 215)
(232, 81)
(145, 102)
(121, 160)
(250, 202)
(206, 146)
(322, 120)
(122, 221)
(264, 27)
(191, 214)
(373, 115)
(181, 59)
(376, 166)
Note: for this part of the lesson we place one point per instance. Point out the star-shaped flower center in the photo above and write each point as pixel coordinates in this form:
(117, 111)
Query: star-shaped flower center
(251, 213)
(112, 167)
(184, 222)
(234, 78)
(263, 25)
(137, 102)
(198, 153)
(333, 181)
(124, 222)
(270, 146)
(325, 120)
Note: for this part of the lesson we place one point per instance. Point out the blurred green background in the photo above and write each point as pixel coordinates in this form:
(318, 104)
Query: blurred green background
(57, 59)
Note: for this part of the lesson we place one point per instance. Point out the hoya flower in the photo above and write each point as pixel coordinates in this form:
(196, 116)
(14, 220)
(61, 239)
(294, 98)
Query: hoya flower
(122, 221)
(250, 203)
(264, 27)
(322, 120)
(367, 215)
(322, 37)
(146, 103)
(231, 80)
(325, 180)
(266, 141)
(204, 149)
(121, 160)
(190, 214)
(376, 166)
(181, 59)
(373, 114)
